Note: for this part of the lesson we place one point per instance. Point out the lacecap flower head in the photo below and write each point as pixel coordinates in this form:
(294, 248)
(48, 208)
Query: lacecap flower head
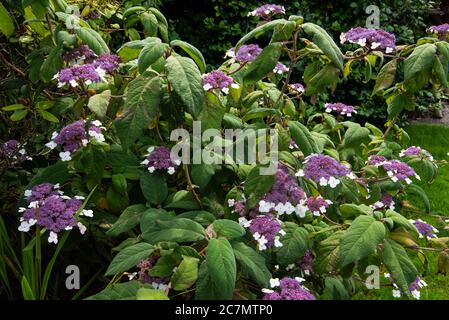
(217, 79)
(12, 152)
(340, 108)
(75, 136)
(246, 53)
(441, 30)
(160, 159)
(49, 208)
(287, 289)
(267, 11)
(375, 39)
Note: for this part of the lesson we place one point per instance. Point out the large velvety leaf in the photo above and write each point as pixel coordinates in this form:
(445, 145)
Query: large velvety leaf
(398, 263)
(386, 76)
(263, 64)
(185, 78)
(260, 30)
(252, 263)
(150, 54)
(303, 138)
(355, 136)
(154, 187)
(141, 106)
(119, 291)
(228, 228)
(418, 66)
(361, 239)
(322, 39)
(318, 81)
(129, 257)
(177, 230)
(328, 254)
(92, 39)
(218, 272)
(256, 185)
(193, 52)
(294, 244)
(98, 103)
(151, 294)
(52, 64)
(186, 274)
(399, 103)
(127, 220)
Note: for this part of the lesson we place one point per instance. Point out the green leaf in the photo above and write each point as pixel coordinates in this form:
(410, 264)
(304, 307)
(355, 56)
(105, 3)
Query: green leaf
(151, 294)
(258, 113)
(327, 257)
(399, 264)
(18, 115)
(228, 228)
(202, 173)
(27, 292)
(386, 76)
(413, 188)
(52, 64)
(399, 103)
(204, 218)
(256, 185)
(98, 103)
(361, 239)
(294, 244)
(154, 187)
(418, 66)
(176, 230)
(319, 80)
(440, 72)
(6, 22)
(141, 107)
(186, 274)
(218, 272)
(129, 257)
(263, 64)
(335, 289)
(193, 52)
(150, 23)
(186, 81)
(303, 138)
(352, 210)
(13, 107)
(252, 263)
(355, 136)
(322, 39)
(400, 220)
(48, 116)
(119, 291)
(127, 220)
(259, 31)
(130, 50)
(150, 54)
(93, 39)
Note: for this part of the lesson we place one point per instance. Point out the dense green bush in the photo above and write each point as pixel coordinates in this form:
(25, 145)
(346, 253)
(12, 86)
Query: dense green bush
(220, 228)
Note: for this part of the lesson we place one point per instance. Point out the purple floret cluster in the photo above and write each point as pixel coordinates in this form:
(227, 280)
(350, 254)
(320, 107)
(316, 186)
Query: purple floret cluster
(441, 30)
(217, 79)
(160, 160)
(414, 151)
(280, 68)
(75, 136)
(306, 262)
(376, 160)
(12, 152)
(85, 67)
(143, 276)
(296, 87)
(49, 208)
(386, 201)
(287, 289)
(246, 53)
(374, 39)
(399, 171)
(267, 11)
(425, 229)
(324, 170)
(318, 205)
(340, 108)
(266, 230)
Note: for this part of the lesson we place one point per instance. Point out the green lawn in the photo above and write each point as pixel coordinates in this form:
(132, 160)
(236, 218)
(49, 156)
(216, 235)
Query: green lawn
(435, 139)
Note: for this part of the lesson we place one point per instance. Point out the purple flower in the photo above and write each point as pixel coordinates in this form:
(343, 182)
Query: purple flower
(83, 53)
(296, 87)
(340, 108)
(386, 201)
(416, 286)
(50, 209)
(95, 14)
(290, 289)
(323, 170)
(376, 160)
(425, 229)
(280, 68)
(306, 262)
(76, 135)
(265, 230)
(218, 80)
(107, 62)
(373, 38)
(399, 171)
(246, 53)
(84, 73)
(143, 276)
(267, 10)
(318, 205)
(11, 151)
(415, 152)
(441, 30)
(160, 159)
